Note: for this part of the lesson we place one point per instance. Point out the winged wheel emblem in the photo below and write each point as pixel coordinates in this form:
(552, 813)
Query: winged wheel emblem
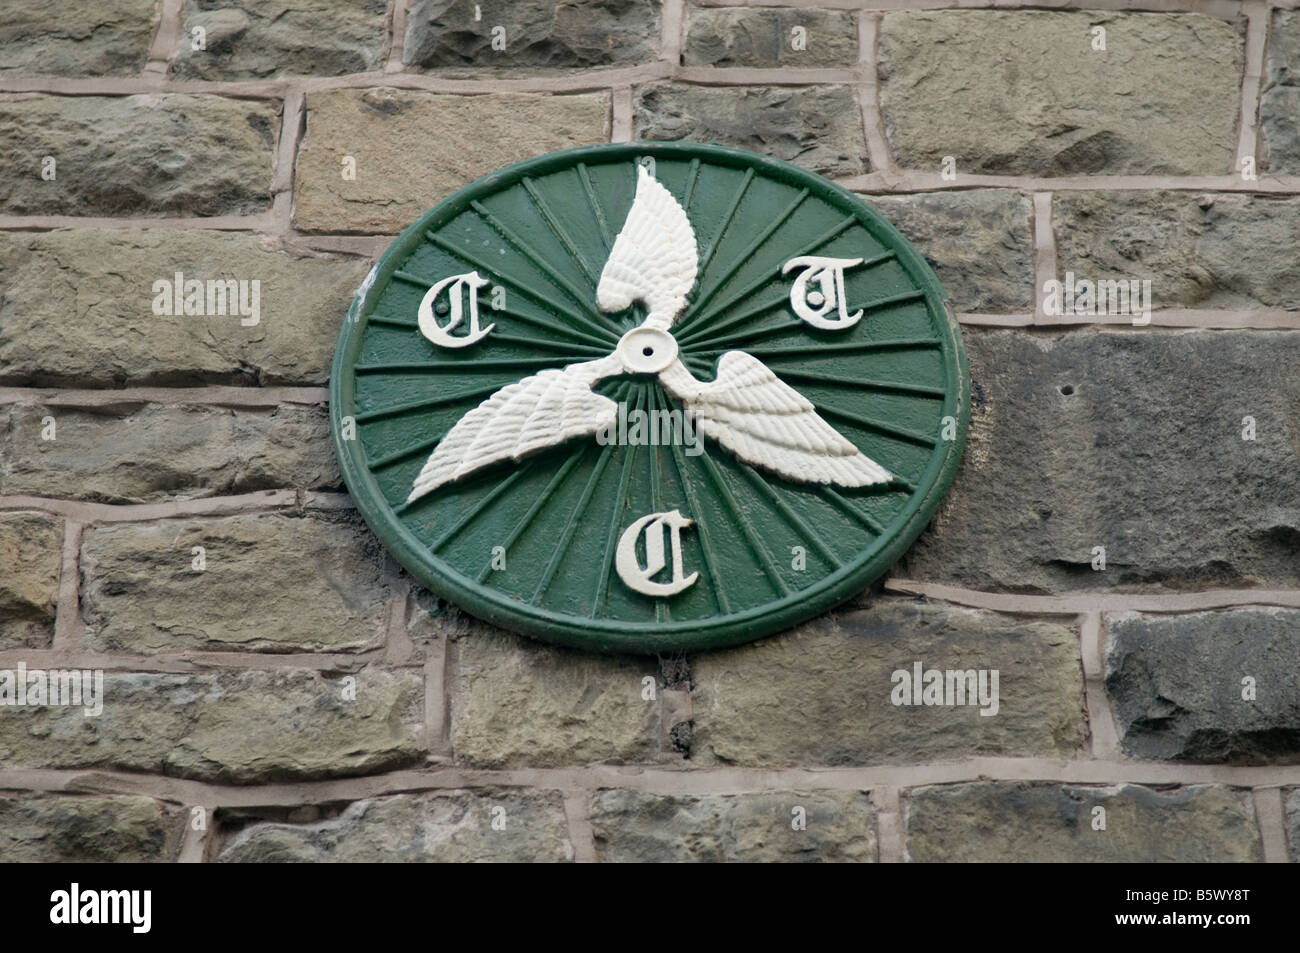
(746, 408)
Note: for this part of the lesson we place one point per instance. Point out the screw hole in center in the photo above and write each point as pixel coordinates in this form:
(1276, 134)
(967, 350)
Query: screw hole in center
(648, 351)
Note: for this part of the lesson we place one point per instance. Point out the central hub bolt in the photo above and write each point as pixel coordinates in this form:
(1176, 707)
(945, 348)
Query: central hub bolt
(647, 350)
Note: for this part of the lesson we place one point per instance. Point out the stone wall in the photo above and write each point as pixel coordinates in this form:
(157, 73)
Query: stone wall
(276, 688)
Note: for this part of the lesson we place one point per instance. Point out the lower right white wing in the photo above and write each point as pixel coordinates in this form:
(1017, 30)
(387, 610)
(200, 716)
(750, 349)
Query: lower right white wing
(521, 418)
(767, 423)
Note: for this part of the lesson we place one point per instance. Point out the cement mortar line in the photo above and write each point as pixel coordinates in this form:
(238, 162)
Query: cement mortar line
(672, 31)
(1221, 9)
(258, 501)
(1270, 815)
(166, 38)
(1044, 239)
(620, 114)
(577, 813)
(395, 35)
(1103, 732)
(293, 120)
(878, 182)
(259, 222)
(217, 395)
(915, 180)
(1097, 601)
(68, 624)
(194, 844)
(1258, 15)
(868, 92)
(575, 81)
(651, 779)
(1188, 319)
(195, 662)
(570, 82)
(891, 835)
(437, 697)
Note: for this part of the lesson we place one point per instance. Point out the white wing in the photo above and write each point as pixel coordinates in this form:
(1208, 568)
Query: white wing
(765, 422)
(654, 257)
(521, 418)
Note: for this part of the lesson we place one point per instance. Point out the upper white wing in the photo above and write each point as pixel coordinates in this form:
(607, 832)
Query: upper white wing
(654, 258)
(537, 412)
(765, 422)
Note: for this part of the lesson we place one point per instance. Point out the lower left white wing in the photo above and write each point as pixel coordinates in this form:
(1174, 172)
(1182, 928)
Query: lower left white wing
(767, 423)
(537, 412)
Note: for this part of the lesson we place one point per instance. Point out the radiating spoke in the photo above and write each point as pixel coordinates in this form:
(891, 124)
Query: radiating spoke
(620, 500)
(702, 322)
(582, 298)
(656, 497)
(903, 483)
(739, 261)
(562, 544)
(480, 506)
(595, 207)
(692, 177)
(528, 517)
(830, 410)
(920, 390)
(704, 332)
(392, 322)
(820, 350)
(791, 516)
(602, 336)
(707, 341)
(569, 245)
(711, 561)
(726, 223)
(742, 519)
(522, 341)
(424, 446)
(866, 519)
(470, 366)
(552, 326)
(396, 409)
(756, 283)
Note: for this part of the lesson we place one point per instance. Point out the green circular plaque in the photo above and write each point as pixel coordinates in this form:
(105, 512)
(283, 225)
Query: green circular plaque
(650, 397)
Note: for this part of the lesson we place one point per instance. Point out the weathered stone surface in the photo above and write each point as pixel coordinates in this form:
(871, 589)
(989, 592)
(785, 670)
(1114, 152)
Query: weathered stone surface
(77, 309)
(270, 583)
(1131, 441)
(1053, 823)
(979, 243)
(1279, 101)
(766, 38)
(31, 552)
(87, 830)
(821, 694)
(168, 154)
(1199, 250)
(1293, 823)
(817, 127)
(411, 149)
(1025, 92)
(133, 453)
(520, 703)
(451, 827)
(72, 39)
(635, 827)
(234, 728)
(1177, 685)
(573, 34)
(252, 39)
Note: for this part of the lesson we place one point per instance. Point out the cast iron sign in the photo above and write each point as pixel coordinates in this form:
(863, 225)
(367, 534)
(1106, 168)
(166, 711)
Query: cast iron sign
(649, 397)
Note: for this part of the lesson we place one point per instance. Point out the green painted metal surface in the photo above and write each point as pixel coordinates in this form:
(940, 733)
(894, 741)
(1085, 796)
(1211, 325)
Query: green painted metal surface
(770, 552)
